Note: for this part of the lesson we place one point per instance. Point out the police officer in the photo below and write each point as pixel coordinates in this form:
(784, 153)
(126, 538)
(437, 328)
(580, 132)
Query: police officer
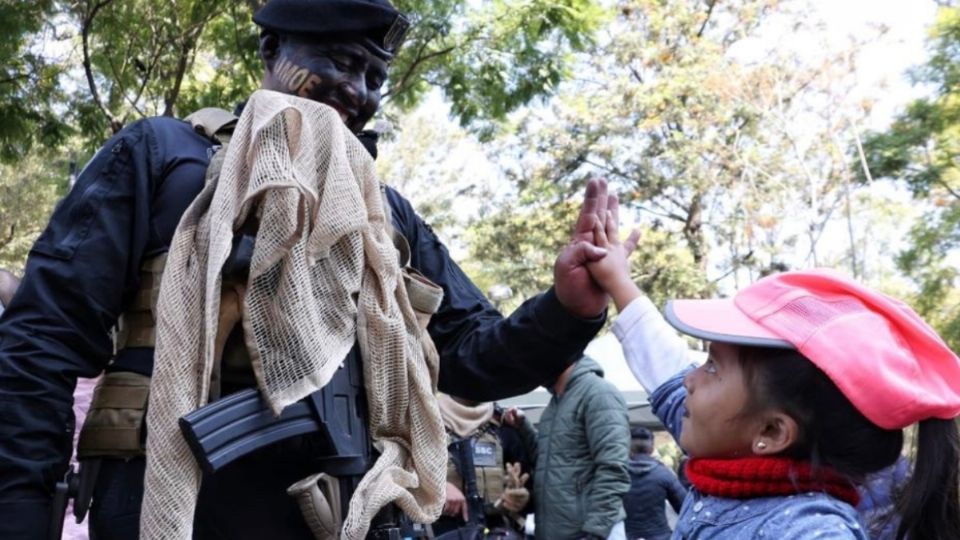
(498, 474)
(86, 268)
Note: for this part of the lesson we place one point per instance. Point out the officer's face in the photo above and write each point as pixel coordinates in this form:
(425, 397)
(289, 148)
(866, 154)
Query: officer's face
(341, 73)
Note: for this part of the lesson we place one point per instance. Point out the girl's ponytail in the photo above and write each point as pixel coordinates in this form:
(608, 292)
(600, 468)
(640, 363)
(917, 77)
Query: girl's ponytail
(930, 505)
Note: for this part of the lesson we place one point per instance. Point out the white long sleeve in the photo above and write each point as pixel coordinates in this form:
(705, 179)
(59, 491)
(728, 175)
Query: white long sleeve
(653, 349)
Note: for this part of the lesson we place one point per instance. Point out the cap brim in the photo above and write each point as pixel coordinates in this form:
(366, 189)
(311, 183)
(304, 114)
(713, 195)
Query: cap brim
(720, 320)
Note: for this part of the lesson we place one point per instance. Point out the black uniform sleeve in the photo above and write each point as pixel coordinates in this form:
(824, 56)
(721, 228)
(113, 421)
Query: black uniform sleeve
(81, 271)
(484, 356)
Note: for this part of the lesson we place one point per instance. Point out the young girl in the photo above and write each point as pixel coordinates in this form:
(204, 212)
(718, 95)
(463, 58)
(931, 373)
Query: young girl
(809, 382)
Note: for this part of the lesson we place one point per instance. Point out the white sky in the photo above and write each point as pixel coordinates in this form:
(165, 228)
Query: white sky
(883, 62)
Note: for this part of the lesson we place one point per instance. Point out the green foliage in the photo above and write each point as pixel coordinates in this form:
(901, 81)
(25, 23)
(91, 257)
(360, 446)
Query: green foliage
(921, 149)
(28, 191)
(229, 69)
(178, 56)
(28, 81)
(502, 56)
(136, 55)
(729, 155)
(517, 245)
(71, 73)
(432, 162)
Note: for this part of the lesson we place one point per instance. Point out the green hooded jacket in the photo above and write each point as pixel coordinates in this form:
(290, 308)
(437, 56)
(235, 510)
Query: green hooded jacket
(581, 454)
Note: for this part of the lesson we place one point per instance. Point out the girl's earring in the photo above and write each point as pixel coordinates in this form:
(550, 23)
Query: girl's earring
(761, 445)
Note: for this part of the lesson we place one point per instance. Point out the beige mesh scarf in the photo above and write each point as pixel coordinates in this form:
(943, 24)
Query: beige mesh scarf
(324, 273)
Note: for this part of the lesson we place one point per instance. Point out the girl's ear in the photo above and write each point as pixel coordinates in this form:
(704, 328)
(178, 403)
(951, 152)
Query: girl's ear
(778, 432)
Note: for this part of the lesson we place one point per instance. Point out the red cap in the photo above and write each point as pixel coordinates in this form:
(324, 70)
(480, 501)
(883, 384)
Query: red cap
(890, 364)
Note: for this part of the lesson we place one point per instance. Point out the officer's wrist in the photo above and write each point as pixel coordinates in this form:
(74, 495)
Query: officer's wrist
(562, 323)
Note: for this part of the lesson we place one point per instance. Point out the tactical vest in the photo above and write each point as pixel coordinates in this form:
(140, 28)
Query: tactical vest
(488, 466)
(115, 428)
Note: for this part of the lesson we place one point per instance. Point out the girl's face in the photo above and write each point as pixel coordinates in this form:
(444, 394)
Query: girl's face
(715, 425)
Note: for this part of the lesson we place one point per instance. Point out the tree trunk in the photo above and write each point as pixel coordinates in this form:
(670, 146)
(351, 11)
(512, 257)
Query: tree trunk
(693, 231)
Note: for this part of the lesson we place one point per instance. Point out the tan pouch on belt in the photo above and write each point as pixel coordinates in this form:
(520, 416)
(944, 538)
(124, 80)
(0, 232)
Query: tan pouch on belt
(114, 424)
(319, 499)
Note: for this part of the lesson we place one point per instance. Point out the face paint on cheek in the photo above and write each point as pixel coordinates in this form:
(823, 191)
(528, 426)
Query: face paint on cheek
(308, 85)
(285, 70)
(297, 79)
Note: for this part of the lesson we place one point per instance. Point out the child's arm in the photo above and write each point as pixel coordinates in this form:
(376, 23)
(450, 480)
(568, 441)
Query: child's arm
(654, 351)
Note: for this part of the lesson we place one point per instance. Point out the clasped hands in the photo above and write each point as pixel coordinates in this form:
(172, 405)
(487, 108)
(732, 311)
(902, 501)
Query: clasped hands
(576, 273)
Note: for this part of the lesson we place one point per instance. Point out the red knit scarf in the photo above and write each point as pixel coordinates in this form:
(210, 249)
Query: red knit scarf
(744, 478)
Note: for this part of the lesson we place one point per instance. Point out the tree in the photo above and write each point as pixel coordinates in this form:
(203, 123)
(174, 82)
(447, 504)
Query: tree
(137, 58)
(438, 166)
(143, 58)
(28, 81)
(711, 139)
(920, 149)
(28, 190)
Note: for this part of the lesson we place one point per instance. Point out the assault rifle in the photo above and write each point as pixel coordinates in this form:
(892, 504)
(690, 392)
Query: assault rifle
(241, 423)
(475, 529)
(230, 428)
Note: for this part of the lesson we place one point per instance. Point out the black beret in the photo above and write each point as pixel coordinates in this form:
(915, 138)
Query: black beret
(641, 433)
(377, 20)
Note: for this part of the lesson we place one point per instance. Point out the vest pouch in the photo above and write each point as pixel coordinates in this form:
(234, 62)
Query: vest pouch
(488, 469)
(492, 485)
(115, 423)
(137, 326)
(425, 296)
(318, 497)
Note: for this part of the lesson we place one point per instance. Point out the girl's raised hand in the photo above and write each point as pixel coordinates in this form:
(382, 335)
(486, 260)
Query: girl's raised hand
(612, 273)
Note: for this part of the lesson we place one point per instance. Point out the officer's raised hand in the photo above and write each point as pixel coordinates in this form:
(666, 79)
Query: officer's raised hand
(575, 289)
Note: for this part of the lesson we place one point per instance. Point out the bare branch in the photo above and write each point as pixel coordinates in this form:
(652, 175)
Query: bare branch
(85, 26)
(420, 59)
(950, 190)
(710, 5)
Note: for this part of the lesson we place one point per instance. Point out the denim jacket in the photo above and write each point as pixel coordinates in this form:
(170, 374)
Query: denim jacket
(801, 516)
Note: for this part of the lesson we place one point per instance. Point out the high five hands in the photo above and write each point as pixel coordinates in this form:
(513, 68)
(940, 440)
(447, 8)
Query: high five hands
(595, 259)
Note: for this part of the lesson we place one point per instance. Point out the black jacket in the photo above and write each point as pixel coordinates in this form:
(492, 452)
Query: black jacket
(651, 483)
(84, 269)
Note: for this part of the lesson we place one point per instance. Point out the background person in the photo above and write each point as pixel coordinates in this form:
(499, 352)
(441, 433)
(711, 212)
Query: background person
(652, 485)
(581, 451)
(500, 479)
